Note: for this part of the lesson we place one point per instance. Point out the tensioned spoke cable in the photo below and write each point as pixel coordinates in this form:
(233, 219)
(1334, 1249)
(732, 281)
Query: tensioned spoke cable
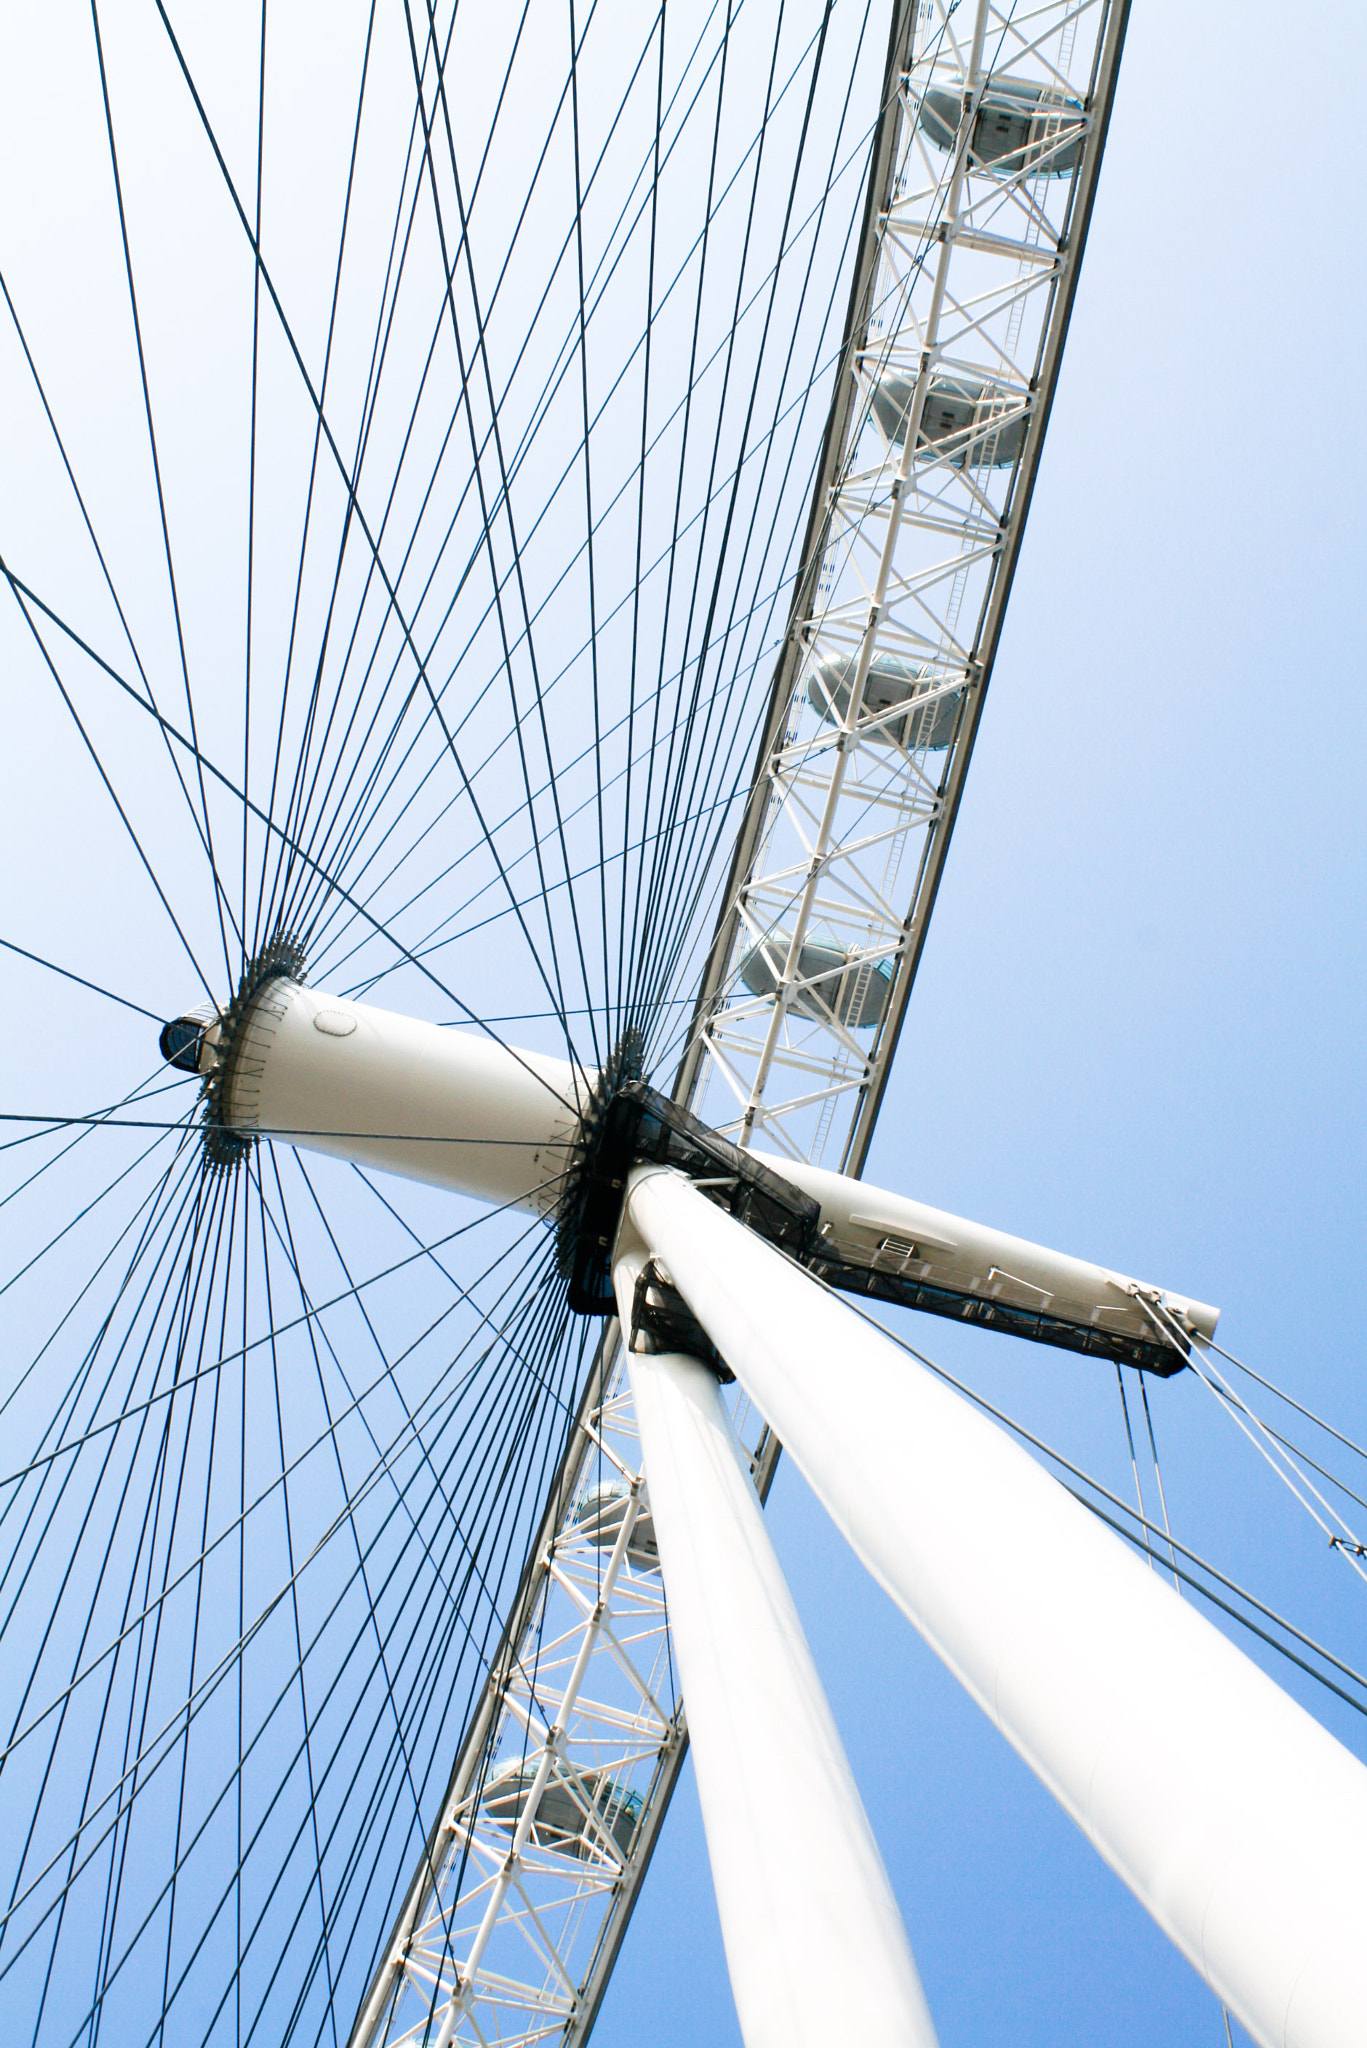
(455, 414)
(144, 1217)
(407, 1767)
(247, 1348)
(251, 494)
(675, 960)
(100, 556)
(424, 948)
(262, 912)
(294, 1597)
(488, 760)
(519, 457)
(223, 908)
(555, 996)
(315, 1327)
(146, 1091)
(82, 1213)
(80, 979)
(175, 1238)
(689, 387)
(130, 1945)
(682, 740)
(819, 213)
(685, 865)
(586, 445)
(519, 454)
(669, 798)
(22, 593)
(1130, 1517)
(304, 785)
(640, 514)
(554, 1456)
(173, 1291)
(380, 1473)
(382, 1463)
(174, 1185)
(163, 1469)
(449, 258)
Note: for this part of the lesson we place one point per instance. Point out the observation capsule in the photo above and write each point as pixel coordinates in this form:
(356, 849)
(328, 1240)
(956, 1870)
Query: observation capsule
(971, 424)
(849, 986)
(564, 1811)
(891, 680)
(1020, 126)
(599, 1514)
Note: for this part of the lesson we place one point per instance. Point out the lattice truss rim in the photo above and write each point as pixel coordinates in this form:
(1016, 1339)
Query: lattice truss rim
(949, 385)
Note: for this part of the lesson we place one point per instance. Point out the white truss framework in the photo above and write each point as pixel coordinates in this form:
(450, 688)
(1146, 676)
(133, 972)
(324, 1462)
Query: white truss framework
(962, 287)
(944, 400)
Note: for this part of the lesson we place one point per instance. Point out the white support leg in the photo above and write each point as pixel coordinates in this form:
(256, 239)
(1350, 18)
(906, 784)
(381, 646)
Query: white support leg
(814, 1942)
(1237, 1821)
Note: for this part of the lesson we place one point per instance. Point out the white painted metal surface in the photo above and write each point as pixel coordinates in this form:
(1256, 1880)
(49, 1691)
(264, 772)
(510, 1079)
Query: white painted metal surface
(872, 1226)
(807, 1914)
(446, 1106)
(1237, 1821)
(498, 1123)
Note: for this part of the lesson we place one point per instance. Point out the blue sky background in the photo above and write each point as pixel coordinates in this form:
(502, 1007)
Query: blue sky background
(1137, 1029)
(1136, 1032)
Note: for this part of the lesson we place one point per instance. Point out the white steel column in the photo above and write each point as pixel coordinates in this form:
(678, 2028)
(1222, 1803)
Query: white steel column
(814, 1942)
(1238, 1822)
(395, 1093)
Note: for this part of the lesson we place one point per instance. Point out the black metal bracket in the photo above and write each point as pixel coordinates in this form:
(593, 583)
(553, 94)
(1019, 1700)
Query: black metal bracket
(631, 1124)
(1037, 1326)
(661, 1320)
(635, 1125)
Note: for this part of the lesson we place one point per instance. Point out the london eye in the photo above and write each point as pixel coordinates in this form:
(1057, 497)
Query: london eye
(514, 536)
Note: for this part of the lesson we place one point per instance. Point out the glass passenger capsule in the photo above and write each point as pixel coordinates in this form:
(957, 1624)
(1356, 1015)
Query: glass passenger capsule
(974, 424)
(1020, 126)
(849, 986)
(891, 680)
(563, 1811)
(598, 1516)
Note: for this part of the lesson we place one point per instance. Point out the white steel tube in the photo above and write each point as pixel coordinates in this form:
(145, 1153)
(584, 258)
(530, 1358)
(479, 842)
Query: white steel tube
(392, 1092)
(1236, 1820)
(814, 1943)
(949, 1251)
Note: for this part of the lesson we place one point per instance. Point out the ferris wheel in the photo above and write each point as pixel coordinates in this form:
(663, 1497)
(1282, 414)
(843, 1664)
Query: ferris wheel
(524, 512)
